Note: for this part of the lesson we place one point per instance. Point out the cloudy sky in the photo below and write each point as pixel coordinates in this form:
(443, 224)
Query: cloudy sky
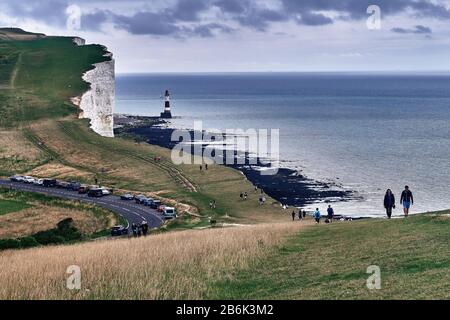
(249, 35)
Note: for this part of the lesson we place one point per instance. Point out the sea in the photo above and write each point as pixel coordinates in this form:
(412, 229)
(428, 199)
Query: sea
(361, 132)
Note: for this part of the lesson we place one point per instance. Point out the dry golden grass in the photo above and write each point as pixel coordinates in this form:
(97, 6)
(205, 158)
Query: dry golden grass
(41, 218)
(166, 266)
(14, 144)
(58, 171)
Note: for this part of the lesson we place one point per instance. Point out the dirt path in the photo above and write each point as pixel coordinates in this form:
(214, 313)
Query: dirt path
(16, 71)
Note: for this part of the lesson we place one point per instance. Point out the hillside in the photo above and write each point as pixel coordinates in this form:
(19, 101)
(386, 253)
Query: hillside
(18, 34)
(41, 135)
(276, 261)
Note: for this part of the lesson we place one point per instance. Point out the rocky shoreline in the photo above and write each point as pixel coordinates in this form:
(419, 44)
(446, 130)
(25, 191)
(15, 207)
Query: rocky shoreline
(288, 186)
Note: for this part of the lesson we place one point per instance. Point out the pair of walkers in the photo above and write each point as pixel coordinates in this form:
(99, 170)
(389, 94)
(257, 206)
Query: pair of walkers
(330, 215)
(406, 200)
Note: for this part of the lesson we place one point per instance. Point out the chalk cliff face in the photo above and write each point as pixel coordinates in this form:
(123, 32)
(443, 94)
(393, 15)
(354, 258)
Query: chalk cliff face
(97, 104)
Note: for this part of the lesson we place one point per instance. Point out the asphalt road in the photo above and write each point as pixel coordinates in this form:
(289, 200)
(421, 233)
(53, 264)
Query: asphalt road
(131, 211)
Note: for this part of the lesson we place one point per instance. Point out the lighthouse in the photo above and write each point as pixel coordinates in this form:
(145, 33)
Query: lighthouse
(166, 114)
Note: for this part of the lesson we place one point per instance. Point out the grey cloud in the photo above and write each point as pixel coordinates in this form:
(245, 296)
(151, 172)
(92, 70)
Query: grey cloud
(207, 30)
(419, 29)
(147, 23)
(314, 19)
(185, 17)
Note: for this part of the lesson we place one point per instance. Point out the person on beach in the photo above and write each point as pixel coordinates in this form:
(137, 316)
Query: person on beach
(304, 214)
(206, 166)
(406, 200)
(317, 215)
(300, 214)
(330, 212)
(293, 215)
(241, 196)
(245, 195)
(389, 202)
(256, 189)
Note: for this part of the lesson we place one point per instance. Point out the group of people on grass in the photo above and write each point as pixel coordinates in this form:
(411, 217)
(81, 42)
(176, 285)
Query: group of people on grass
(406, 200)
(139, 229)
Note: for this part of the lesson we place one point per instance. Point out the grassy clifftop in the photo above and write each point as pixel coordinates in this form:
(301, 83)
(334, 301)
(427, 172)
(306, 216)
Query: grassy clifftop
(38, 77)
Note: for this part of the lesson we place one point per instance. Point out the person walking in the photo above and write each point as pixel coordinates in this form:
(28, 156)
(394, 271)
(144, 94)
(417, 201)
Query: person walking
(293, 215)
(389, 202)
(406, 200)
(144, 227)
(330, 212)
(317, 215)
(134, 229)
(300, 214)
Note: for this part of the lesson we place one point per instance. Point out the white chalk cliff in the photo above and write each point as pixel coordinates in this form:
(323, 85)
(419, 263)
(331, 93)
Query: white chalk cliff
(97, 104)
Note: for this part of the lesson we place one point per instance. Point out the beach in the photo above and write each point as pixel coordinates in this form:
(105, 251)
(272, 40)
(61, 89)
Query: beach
(287, 186)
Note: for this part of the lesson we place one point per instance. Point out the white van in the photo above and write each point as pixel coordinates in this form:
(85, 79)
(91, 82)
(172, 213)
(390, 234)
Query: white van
(169, 213)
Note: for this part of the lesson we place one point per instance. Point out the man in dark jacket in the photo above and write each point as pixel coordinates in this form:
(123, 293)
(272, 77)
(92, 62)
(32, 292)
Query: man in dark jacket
(330, 212)
(406, 200)
(389, 202)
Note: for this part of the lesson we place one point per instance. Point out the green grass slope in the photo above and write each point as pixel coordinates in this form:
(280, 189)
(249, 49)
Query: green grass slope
(330, 262)
(38, 77)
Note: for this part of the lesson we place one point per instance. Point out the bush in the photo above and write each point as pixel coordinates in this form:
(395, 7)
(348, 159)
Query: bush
(65, 224)
(28, 242)
(48, 237)
(9, 244)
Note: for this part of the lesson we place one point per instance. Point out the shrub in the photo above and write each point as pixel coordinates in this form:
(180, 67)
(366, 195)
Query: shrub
(28, 242)
(9, 244)
(48, 237)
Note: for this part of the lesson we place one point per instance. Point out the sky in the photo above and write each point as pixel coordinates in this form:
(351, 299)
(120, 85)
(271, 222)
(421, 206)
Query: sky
(250, 35)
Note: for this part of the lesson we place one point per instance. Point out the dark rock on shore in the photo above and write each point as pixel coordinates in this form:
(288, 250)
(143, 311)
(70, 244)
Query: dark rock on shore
(286, 186)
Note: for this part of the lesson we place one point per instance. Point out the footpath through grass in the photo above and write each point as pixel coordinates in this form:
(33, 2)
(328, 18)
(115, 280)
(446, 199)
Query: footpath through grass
(330, 262)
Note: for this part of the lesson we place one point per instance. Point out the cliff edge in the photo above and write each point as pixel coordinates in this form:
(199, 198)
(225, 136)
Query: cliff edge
(97, 104)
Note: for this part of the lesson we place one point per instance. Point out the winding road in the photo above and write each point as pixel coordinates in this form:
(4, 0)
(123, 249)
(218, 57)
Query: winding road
(131, 211)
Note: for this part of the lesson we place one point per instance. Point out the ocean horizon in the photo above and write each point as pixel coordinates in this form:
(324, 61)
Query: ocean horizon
(359, 131)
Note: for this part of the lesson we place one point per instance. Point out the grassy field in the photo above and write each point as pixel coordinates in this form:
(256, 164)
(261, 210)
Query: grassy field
(175, 265)
(330, 262)
(24, 214)
(297, 260)
(8, 206)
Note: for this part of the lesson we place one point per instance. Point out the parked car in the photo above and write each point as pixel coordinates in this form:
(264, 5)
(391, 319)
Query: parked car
(155, 204)
(28, 179)
(139, 198)
(74, 186)
(62, 184)
(147, 202)
(83, 189)
(169, 213)
(49, 183)
(119, 231)
(16, 178)
(127, 197)
(106, 191)
(95, 193)
(38, 182)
